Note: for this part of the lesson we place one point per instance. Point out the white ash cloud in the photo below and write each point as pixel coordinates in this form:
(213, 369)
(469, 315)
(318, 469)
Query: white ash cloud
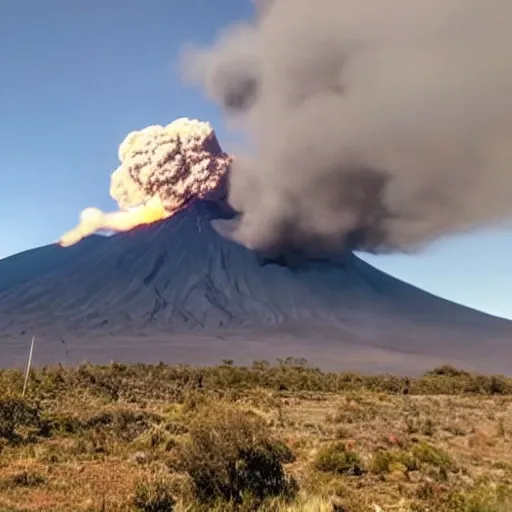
(162, 169)
(176, 163)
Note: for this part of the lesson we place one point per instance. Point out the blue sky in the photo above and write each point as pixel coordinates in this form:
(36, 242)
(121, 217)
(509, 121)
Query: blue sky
(77, 76)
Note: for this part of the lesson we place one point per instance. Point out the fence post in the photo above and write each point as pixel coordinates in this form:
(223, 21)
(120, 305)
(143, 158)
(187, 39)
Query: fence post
(27, 373)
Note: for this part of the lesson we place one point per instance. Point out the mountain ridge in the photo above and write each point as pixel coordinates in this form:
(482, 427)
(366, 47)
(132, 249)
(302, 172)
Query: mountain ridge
(179, 279)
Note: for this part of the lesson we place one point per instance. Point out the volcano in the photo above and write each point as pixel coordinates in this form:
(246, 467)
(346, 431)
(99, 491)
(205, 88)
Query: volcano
(177, 291)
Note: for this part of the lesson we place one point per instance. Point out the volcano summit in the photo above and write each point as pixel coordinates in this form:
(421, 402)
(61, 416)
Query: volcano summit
(177, 291)
(171, 286)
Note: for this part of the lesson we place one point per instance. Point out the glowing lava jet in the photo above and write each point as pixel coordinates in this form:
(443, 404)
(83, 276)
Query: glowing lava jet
(162, 168)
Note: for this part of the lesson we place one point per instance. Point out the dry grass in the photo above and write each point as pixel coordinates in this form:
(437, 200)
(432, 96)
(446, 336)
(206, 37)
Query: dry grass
(286, 439)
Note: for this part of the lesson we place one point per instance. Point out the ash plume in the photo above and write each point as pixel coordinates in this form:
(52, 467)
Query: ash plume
(162, 169)
(385, 125)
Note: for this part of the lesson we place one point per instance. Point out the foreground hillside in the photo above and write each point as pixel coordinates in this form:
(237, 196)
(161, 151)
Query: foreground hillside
(272, 438)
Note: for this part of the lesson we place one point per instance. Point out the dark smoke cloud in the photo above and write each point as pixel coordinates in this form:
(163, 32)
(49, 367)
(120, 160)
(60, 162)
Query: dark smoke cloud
(388, 124)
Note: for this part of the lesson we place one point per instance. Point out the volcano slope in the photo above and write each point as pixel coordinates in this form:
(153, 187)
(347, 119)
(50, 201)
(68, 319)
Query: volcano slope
(177, 291)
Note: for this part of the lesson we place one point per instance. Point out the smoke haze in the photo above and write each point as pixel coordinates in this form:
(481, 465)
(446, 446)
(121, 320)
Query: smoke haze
(386, 124)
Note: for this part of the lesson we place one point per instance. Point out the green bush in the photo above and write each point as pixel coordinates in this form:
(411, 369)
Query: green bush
(16, 414)
(484, 498)
(447, 371)
(428, 454)
(335, 458)
(25, 478)
(387, 461)
(231, 457)
(154, 495)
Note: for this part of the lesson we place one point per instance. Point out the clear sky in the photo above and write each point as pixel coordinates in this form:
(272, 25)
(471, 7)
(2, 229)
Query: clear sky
(76, 76)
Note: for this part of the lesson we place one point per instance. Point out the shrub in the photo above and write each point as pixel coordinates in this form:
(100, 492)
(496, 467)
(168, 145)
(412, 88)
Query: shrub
(485, 498)
(231, 456)
(497, 385)
(154, 495)
(387, 461)
(447, 371)
(124, 424)
(17, 413)
(428, 454)
(335, 458)
(25, 478)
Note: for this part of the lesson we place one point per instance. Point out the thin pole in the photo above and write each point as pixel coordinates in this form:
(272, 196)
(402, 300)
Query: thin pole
(27, 373)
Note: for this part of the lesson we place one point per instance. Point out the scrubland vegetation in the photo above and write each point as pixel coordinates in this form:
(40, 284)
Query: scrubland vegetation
(282, 437)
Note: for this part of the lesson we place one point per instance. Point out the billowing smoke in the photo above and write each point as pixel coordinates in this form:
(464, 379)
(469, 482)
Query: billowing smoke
(162, 169)
(384, 123)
